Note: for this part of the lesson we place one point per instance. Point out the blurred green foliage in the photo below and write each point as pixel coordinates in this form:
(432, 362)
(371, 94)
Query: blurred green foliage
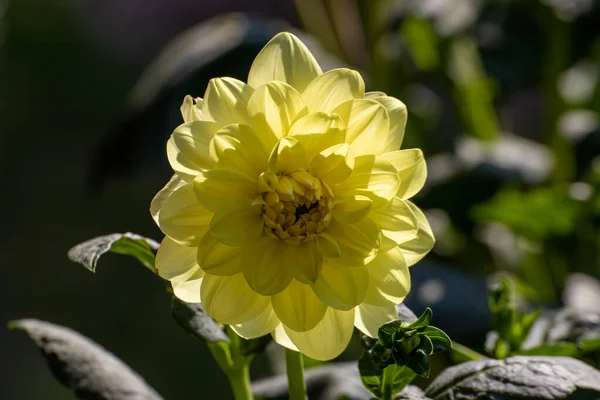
(475, 76)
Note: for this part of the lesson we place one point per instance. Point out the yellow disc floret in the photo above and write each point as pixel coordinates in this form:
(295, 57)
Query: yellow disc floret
(295, 207)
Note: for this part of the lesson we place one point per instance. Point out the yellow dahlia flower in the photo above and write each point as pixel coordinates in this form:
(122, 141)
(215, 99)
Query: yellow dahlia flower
(288, 212)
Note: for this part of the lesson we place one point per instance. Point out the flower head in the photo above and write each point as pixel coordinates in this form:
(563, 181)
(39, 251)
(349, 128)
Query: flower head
(288, 212)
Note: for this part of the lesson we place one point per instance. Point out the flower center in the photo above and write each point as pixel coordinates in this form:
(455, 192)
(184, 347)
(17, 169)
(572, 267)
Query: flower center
(295, 206)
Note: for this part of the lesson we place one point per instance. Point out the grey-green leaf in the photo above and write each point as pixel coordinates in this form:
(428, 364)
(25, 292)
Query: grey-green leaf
(518, 377)
(83, 366)
(193, 319)
(88, 252)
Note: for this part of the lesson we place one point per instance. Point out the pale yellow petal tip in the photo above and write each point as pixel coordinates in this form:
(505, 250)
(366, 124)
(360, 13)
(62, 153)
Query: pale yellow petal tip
(284, 58)
(328, 339)
(188, 291)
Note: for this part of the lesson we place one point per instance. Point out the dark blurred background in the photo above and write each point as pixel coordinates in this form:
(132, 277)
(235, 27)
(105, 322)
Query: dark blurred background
(503, 98)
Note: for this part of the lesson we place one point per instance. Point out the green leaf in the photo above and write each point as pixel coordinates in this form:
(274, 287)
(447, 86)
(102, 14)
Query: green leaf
(369, 375)
(194, 320)
(439, 339)
(527, 322)
(387, 331)
(426, 345)
(418, 362)
(423, 320)
(499, 295)
(590, 345)
(402, 377)
(381, 357)
(460, 354)
(556, 349)
(88, 252)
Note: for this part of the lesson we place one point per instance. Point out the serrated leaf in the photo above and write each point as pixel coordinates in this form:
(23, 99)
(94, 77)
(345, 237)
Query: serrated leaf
(89, 252)
(369, 375)
(439, 339)
(194, 320)
(556, 349)
(83, 366)
(423, 320)
(418, 362)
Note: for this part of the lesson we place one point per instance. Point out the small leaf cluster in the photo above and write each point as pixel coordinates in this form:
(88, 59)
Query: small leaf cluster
(400, 354)
(409, 344)
(511, 325)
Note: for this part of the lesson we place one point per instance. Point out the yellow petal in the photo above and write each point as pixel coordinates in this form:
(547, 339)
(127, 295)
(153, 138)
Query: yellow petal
(237, 148)
(174, 183)
(308, 262)
(411, 168)
(285, 58)
(191, 109)
(352, 209)
(273, 109)
(333, 165)
(372, 95)
(341, 287)
(368, 319)
(327, 245)
(182, 217)
(174, 259)
(414, 250)
(332, 89)
(226, 101)
(298, 308)
(217, 258)
(389, 274)
(188, 148)
(288, 155)
(264, 323)
(398, 115)
(367, 125)
(358, 242)
(282, 338)
(268, 265)
(372, 177)
(328, 339)
(317, 132)
(188, 290)
(236, 227)
(397, 221)
(219, 190)
(229, 299)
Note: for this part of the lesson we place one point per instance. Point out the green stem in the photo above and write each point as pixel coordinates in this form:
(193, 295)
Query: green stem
(239, 380)
(234, 364)
(295, 374)
(387, 381)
